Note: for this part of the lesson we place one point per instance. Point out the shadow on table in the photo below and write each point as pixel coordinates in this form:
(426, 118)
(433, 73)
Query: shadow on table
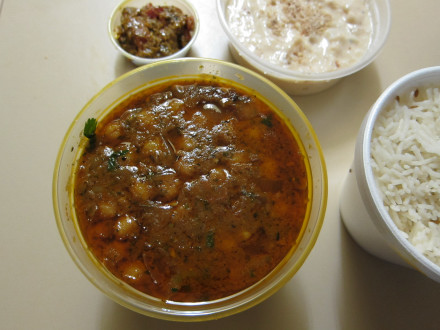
(376, 294)
(123, 65)
(284, 307)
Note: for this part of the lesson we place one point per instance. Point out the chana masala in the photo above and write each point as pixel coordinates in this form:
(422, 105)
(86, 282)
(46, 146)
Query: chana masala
(191, 191)
(154, 31)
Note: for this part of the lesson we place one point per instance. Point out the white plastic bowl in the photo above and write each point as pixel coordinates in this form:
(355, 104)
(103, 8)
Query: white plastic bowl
(115, 19)
(298, 83)
(361, 206)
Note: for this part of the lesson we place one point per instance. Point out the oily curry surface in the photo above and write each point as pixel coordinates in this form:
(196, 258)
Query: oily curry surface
(191, 192)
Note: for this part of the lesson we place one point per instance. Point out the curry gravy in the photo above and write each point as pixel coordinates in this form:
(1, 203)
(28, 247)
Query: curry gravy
(192, 191)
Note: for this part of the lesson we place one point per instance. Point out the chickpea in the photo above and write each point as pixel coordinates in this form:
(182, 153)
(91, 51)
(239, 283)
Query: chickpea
(226, 244)
(146, 119)
(113, 131)
(126, 227)
(114, 252)
(218, 174)
(142, 191)
(239, 157)
(269, 169)
(184, 142)
(123, 202)
(247, 111)
(254, 133)
(170, 187)
(185, 167)
(223, 133)
(158, 150)
(134, 271)
(172, 252)
(107, 209)
(100, 230)
(188, 143)
(245, 235)
(152, 146)
(174, 105)
(199, 118)
(281, 208)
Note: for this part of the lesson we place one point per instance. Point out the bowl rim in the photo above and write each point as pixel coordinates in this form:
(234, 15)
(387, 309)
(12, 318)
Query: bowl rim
(146, 60)
(216, 312)
(284, 73)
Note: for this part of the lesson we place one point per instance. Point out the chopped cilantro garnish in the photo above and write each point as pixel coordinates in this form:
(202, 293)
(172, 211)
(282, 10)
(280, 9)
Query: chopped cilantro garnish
(267, 121)
(90, 127)
(210, 241)
(251, 195)
(205, 204)
(113, 159)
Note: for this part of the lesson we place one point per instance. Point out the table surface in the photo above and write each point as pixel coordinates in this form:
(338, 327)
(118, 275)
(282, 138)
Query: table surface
(55, 55)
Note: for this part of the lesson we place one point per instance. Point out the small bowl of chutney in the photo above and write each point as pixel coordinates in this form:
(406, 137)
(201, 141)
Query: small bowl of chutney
(146, 31)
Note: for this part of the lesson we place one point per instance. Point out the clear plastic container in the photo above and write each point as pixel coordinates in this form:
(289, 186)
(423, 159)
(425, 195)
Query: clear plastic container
(140, 79)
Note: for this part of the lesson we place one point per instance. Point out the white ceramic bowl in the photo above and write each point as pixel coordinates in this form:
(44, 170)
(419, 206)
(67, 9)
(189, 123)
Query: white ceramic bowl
(140, 79)
(115, 18)
(298, 83)
(361, 206)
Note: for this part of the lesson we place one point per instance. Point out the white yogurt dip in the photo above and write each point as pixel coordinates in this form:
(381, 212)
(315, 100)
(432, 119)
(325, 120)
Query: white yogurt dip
(310, 36)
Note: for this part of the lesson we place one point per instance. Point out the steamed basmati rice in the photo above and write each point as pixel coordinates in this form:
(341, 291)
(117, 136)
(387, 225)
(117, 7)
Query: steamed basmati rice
(405, 154)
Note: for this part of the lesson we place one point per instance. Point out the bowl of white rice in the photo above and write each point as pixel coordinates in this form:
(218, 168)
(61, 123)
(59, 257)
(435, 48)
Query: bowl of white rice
(390, 200)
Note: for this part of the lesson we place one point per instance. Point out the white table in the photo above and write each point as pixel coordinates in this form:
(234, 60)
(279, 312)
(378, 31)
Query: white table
(55, 55)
